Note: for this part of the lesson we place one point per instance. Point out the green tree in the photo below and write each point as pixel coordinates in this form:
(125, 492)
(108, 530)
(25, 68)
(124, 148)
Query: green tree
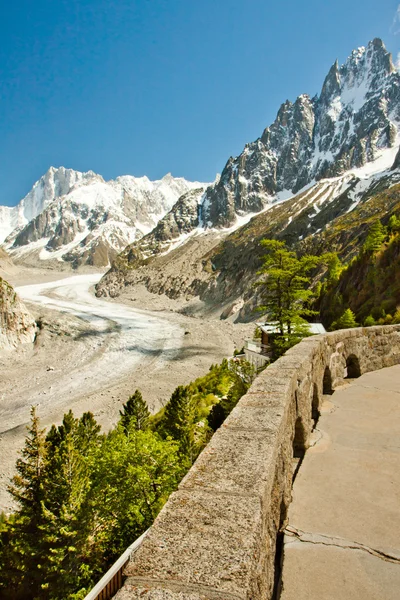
(346, 321)
(285, 289)
(394, 224)
(135, 411)
(132, 479)
(396, 316)
(242, 375)
(70, 453)
(26, 553)
(179, 421)
(281, 343)
(369, 321)
(335, 267)
(375, 238)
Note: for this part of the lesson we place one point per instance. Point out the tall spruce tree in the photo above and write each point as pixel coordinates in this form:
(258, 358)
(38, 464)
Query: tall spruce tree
(135, 413)
(375, 238)
(68, 482)
(179, 421)
(28, 490)
(346, 321)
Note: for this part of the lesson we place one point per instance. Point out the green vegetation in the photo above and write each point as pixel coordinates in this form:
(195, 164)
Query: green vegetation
(368, 288)
(135, 413)
(286, 288)
(287, 293)
(346, 321)
(365, 291)
(84, 496)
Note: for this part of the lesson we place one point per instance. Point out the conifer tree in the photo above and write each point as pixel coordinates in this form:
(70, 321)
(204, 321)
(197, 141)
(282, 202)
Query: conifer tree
(135, 412)
(286, 285)
(346, 321)
(335, 267)
(28, 489)
(66, 531)
(375, 238)
(394, 224)
(179, 419)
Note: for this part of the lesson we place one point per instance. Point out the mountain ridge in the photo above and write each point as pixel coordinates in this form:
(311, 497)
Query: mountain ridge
(82, 219)
(324, 155)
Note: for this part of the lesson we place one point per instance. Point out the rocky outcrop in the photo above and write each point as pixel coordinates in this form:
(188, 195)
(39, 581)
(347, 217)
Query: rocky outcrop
(17, 326)
(356, 116)
(220, 267)
(181, 219)
(216, 536)
(5, 261)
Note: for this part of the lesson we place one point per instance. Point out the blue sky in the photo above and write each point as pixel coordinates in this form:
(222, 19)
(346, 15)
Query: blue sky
(155, 86)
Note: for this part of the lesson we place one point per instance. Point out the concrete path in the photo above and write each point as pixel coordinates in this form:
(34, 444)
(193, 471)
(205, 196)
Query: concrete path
(343, 537)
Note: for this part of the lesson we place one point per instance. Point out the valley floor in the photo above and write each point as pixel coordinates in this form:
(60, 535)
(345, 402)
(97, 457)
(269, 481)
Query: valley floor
(91, 354)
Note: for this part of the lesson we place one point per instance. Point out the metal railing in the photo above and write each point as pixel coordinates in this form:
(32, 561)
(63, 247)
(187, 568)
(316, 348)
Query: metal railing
(111, 582)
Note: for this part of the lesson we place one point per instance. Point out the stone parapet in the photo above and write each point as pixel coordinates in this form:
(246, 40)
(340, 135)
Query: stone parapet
(216, 536)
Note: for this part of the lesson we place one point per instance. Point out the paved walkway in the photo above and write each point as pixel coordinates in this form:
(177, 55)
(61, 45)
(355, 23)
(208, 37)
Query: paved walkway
(343, 537)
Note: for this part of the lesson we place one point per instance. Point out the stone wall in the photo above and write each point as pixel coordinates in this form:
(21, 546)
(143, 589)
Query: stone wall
(216, 536)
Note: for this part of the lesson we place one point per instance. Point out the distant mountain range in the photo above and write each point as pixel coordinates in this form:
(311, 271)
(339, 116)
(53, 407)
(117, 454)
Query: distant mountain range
(323, 157)
(79, 218)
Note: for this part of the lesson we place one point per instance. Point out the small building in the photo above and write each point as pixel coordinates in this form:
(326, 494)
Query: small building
(258, 351)
(269, 330)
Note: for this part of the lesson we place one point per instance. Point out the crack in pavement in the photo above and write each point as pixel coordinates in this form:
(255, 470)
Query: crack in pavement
(325, 540)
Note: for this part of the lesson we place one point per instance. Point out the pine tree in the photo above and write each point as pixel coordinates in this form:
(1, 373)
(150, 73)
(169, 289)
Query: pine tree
(286, 287)
(369, 321)
(67, 528)
(375, 238)
(135, 413)
(394, 224)
(335, 267)
(179, 419)
(346, 321)
(88, 433)
(28, 489)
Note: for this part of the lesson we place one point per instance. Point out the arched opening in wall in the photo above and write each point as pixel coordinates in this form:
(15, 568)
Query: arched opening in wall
(315, 414)
(299, 445)
(352, 367)
(327, 382)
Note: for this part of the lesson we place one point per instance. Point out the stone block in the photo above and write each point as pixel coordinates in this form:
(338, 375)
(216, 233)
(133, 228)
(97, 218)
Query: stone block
(236, 462)
(150, 591)
(200, 539)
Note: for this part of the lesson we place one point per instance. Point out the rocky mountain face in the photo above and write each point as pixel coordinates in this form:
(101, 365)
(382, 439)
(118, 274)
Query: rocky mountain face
(82, 219)
(180, 221)
(215, 271)
(322, 158)
(52, 185)
(17, 326)
(6, 263)
(354, 118)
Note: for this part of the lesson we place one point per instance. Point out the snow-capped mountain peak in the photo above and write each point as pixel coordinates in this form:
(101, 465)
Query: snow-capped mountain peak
(81, 218)
(354, 119)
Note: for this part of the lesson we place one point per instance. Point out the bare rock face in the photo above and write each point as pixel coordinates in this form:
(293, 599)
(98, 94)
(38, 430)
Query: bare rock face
(355, 117)
(17, 326)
